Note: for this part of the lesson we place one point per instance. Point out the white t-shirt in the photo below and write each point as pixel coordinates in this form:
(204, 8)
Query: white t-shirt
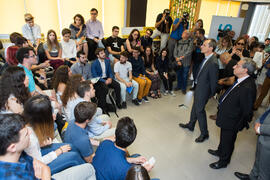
(123, 69)
(68, 49)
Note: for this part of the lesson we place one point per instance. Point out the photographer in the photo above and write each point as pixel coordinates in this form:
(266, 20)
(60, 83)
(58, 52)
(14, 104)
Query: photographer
(239, 49)
(179, 25)
(163, 26)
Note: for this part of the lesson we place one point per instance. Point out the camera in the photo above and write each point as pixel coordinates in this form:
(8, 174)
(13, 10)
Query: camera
(223, 33)
(185, 18)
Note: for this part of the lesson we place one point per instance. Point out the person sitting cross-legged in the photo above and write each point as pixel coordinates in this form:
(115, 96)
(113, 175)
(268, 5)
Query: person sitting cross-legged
(123, 74)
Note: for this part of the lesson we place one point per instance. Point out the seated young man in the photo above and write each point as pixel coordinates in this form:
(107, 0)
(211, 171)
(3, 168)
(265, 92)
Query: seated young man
(110, 161)
(123, 74)
(138, 74)
(14, 162)
(68, 47)
(101, 68)
(146, 40)
(76, 134)
(115, 45)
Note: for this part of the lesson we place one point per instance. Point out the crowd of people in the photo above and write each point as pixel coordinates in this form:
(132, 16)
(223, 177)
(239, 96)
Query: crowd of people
(55, 113)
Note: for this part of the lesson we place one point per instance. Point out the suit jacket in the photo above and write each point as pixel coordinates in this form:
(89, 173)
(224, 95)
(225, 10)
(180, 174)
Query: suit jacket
(235, 112)
(207, 80)
(264, 137)
(97, 70)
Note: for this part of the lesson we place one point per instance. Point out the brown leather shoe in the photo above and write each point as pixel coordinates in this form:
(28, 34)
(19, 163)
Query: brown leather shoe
(213, 117)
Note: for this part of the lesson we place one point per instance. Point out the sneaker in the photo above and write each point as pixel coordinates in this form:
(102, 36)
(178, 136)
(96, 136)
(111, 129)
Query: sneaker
(139, 101)
(172, 93)
(145, 99)
(136, 102)
(166, 93)
(124, 105)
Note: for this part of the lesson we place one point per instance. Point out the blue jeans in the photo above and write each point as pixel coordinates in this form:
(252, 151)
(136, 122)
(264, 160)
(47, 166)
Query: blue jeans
(182, 75)
(65, 160)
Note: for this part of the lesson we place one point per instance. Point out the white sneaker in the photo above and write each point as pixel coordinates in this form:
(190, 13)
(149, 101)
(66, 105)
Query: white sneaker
(172, 93)
(166, 93)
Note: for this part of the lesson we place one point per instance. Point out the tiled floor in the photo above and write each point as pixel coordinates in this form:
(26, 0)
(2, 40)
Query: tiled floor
(177, 155)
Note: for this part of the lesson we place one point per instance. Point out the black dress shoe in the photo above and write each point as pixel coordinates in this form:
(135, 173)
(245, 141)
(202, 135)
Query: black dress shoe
(241, 176)
(186, 126)
(217, 165)
(124, 105)
(213, 152)
(201, 138)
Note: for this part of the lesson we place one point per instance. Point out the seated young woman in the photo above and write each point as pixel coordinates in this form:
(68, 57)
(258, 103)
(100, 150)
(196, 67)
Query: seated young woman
(133, 40)
(151, 72)
(13, 90)
(53, 50)
(40, 124)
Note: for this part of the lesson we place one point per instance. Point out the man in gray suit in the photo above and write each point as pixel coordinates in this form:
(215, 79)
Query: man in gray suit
(206, 83)
(261, 167)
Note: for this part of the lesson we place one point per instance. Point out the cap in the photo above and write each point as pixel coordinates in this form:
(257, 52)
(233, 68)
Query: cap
(166, 11)
(28, 17)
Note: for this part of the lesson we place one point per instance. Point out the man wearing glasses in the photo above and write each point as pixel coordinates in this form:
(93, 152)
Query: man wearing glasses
(94, 34)
(31, 31)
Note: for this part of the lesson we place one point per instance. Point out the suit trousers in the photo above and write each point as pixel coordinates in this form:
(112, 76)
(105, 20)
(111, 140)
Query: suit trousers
(261, 167)
(226, 145)
(264, 92)
(101, 93)
(144, 86)
(198, 113)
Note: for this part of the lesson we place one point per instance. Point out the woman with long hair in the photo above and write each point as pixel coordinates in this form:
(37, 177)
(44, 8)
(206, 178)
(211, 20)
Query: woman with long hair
(133, 40)
(40, 123)
(224, 45)
(162, 62)
(53, 50)
(13, 90)
(70, 95)
(78, 33)
(151, 72)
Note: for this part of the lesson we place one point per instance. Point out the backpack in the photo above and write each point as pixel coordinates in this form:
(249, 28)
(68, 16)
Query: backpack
(110, 101)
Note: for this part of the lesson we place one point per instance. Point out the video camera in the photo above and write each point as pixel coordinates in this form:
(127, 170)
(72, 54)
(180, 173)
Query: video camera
(223, 33)
(167, 12)
(185, 18)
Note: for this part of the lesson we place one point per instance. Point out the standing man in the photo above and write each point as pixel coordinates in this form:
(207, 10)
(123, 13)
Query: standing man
(179, 26)
(163, 26)
(94, 34)
(31, 31)
(260, 170)
(235, 111)
(206, 83)
(101, 68)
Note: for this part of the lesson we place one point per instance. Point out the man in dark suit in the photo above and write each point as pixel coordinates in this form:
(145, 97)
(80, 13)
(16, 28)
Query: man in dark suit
(101, 69)
(261, 167)
(235, 111)
(206, 83)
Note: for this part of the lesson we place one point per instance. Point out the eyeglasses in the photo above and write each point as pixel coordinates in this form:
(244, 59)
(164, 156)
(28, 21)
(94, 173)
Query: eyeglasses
(32, 56)
(241, 44)
(93, 13)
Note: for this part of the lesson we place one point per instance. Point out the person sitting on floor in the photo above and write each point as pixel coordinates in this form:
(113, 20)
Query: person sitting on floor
(68, 47)
(110, 160)
(14, 162)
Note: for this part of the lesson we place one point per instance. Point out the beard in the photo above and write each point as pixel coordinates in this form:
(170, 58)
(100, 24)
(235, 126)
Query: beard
(123, 62)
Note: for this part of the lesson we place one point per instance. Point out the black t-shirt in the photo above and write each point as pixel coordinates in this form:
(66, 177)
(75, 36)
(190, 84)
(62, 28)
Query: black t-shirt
(146, 42)
(245, 54)
(114, 43)
(162, 26)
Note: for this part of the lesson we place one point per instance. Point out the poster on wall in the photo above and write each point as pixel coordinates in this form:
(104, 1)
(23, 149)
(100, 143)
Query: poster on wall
(223, 23)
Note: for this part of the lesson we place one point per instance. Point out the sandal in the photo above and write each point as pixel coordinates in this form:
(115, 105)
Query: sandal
(153, 95)
(158, 94)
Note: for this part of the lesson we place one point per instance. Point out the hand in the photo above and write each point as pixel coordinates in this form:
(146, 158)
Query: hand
(45, 64)
(182, 57)
(83, 38)
(46, 142)
(81, 27)
(177, 59)
(96, 40)
(109, 123)
(139, 160)
(220, 81)
(94, 142)
(41, 170)
(257, 125)
(148, 167)
(179, 63)
(109, 80)
(14, 106)
(166, 75)
(163, 17)
(65, 148)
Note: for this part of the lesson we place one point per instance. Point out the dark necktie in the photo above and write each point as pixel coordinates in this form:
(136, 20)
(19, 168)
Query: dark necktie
(226, 93)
